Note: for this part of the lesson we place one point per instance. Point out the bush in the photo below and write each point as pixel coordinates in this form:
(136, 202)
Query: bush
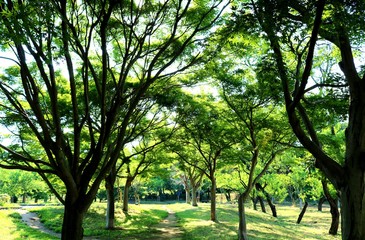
(4, 198)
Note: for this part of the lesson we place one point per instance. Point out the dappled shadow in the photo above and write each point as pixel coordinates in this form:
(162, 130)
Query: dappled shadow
(167, 228)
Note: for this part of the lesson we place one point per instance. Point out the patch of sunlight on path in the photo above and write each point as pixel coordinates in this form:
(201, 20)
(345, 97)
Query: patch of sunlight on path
(167, 228)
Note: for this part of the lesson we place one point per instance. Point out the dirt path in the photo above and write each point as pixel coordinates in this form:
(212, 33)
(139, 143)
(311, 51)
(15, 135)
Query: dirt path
(167, 229)
(32, 220)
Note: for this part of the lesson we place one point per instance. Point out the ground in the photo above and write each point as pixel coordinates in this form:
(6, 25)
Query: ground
(166, 229)
(32, 220)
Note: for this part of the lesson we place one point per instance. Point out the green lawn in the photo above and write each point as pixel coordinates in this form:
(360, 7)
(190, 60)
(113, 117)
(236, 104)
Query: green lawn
(194, 221)
(261, 226)
(12, 228)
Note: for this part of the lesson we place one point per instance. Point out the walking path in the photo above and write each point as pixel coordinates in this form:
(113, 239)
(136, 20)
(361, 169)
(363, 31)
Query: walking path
(32, 220)
(166, 229)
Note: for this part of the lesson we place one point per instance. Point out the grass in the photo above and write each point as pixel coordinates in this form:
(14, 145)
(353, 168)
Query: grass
(261, 226)
(136, 223)
(193, 220)
(12, 228)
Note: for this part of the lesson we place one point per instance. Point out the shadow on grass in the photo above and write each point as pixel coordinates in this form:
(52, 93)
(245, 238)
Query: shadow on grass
(261, 226)
(134, 225)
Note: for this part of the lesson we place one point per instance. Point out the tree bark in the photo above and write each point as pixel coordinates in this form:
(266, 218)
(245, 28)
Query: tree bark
(194, 201)
(213, 189)
(335, 214)
(268, 199)
(320, 203)
(254, 203)
(110, 209)
(335, 218)
(128, 184)
(228, 196)
(72, 221)
(272, 207)
(352, 211)
(242, 227)
(109, 187)
(301, 215)
(262, 204)
(187, 195)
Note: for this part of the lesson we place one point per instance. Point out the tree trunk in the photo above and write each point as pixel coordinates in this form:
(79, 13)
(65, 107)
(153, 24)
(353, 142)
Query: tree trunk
(128, 184)
(320, 203)
(228, 196)
(110, 209)
(352, 212)
(262, 204)
(213, 189)
(254, 203)
(187, 197)
(335, 218)
(291, 194)
(302, 212)
(120, 195)
(334, 209)
(194, 201)
(242, 228)
(268, 199)
(272, 206)
(353, 188)
(137, 201)
(72, 221)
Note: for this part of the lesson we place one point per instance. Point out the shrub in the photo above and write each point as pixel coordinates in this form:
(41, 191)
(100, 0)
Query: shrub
(4, 198)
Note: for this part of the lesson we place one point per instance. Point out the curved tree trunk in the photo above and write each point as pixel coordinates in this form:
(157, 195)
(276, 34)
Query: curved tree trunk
(262, 204)
(268, 199)
(128, 184)
(272, 206)
(335, 218)
(301, 215)
(333, 209)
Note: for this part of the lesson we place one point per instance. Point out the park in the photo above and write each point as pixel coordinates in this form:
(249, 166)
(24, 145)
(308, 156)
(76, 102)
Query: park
(144, 222)
(182, 119)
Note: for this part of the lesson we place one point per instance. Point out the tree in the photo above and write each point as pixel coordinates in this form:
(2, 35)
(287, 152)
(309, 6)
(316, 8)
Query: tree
(18, 183)
(294, 30)
(205, 132)
(192, 177)
(261, 132)
(139, 161)
(253, 110)
(81, 70)
(149, 132)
